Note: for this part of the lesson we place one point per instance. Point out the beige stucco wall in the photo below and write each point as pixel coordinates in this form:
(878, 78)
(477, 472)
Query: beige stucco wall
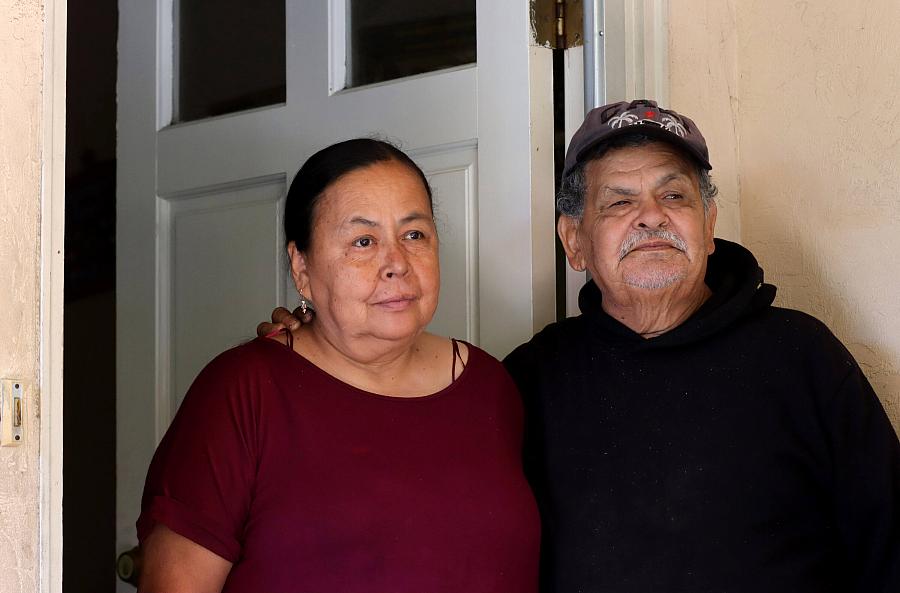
(703, 85)
(801, 103)
(21, 43)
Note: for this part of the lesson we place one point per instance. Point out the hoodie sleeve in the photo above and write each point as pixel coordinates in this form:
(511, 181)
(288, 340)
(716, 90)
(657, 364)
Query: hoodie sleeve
(522, 364)
(866, 458)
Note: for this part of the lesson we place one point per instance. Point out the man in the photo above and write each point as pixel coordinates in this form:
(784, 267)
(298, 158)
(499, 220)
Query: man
(683, 434)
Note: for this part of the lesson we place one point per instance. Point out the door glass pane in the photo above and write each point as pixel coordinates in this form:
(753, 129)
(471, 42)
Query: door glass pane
(393, 38)
(230, 56)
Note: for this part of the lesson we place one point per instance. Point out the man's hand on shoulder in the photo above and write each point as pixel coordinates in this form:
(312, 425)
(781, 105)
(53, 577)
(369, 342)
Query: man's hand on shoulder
(283, 319)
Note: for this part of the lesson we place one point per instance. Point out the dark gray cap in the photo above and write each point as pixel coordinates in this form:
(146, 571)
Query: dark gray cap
(641, 116)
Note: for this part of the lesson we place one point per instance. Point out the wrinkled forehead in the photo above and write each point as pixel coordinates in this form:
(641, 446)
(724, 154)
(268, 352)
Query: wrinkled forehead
(656, 162)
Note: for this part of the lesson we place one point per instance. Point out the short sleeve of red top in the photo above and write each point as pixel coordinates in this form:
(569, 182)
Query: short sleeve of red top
(307, 484)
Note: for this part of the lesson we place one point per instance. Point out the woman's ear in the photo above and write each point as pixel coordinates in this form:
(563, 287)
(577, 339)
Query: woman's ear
(299, 271)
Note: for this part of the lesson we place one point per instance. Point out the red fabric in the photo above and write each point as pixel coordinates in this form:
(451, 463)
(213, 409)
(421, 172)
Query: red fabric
(310, 485)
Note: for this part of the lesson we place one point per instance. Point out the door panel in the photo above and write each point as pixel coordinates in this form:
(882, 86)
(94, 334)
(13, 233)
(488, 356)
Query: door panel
(220, 262)
(452, 173)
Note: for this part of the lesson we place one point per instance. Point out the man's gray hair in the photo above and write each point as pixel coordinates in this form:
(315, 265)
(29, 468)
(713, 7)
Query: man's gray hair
(572, 190)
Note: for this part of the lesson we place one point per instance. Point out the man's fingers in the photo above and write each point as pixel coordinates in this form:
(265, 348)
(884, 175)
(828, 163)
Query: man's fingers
(279, 314)
(267, 330)
(285, 318)
(281, 319)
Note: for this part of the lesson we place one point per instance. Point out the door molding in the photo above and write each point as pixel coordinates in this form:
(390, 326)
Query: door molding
(626, 51)
(53, 173)
(517, 172)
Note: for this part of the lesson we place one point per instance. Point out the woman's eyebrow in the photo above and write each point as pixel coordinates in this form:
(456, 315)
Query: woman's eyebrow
(411, 217)
(414, 216)
(363, 221)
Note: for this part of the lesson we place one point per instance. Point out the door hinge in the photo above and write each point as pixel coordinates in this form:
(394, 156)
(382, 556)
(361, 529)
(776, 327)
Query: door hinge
(557, 24)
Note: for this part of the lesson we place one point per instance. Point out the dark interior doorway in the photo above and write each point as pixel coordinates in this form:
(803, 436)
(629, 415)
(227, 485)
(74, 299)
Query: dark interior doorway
(89, 481)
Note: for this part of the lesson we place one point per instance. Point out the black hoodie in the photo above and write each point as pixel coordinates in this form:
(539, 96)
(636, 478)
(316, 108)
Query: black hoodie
(743, 451)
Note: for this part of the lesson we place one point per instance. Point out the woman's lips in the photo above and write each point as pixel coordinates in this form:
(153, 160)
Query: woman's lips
(395, 303)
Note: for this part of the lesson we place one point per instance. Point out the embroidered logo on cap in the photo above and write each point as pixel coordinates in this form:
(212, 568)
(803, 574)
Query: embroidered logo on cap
(666, 122)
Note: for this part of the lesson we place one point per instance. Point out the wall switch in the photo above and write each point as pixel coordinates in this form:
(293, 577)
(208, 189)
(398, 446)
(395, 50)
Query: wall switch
(12, 413)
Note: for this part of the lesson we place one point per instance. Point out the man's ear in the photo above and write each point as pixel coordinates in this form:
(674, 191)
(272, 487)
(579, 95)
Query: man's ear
(710, 224)
(299, 270)
(567, 229)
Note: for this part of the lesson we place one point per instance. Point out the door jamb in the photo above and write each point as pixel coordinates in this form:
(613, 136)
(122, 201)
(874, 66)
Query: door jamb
(53, 171)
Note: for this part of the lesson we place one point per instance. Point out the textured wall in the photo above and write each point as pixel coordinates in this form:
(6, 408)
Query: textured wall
(812, 93)
(820, 112)
(703, 85)
(21, 44)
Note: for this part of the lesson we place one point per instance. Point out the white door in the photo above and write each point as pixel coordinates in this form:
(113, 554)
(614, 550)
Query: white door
(199, 243)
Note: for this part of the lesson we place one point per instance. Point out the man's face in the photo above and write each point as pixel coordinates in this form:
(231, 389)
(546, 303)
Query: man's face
(643, 225)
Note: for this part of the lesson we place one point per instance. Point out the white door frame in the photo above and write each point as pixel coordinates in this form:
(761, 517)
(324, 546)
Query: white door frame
(525, 130)
(626, 45)
(53, 219)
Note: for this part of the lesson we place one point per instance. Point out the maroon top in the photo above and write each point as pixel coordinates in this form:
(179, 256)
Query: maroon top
(308, 484)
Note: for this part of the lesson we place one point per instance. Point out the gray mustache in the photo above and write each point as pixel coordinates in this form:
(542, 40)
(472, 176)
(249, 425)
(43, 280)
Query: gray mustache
(638, 237)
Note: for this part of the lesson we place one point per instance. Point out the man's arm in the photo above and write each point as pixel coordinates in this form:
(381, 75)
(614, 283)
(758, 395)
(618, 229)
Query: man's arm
(866, 455)
(523, 366)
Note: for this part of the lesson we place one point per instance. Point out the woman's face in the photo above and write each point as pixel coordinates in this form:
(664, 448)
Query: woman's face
(371, 270)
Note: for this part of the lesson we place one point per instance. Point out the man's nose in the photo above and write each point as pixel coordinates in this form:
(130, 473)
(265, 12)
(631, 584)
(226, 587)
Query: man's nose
(396, 263)
(651, 215)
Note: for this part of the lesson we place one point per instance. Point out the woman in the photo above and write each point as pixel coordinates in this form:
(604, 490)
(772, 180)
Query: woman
(358, 452)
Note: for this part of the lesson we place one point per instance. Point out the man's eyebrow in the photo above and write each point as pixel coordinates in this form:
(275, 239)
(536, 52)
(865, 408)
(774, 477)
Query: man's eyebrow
(620, 191)
(675, 175)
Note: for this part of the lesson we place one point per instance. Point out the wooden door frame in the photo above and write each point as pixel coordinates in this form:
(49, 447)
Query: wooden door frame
(53, 173)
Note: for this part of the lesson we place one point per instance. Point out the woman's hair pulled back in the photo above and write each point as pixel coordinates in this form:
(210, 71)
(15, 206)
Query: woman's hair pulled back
(323, 169)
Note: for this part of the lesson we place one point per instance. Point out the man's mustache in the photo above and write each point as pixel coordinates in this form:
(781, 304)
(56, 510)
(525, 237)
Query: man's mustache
(638, 237)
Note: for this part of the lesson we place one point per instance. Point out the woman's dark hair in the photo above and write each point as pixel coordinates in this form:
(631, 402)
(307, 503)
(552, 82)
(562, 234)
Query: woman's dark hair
(324, 168)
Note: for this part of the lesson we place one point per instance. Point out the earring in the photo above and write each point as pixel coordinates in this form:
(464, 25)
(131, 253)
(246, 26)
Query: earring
(305, 305)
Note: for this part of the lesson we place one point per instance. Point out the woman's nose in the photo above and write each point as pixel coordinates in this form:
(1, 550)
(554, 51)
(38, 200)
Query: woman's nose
(395, 262)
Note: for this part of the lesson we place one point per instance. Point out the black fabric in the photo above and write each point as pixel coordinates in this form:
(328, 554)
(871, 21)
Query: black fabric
(742, 451)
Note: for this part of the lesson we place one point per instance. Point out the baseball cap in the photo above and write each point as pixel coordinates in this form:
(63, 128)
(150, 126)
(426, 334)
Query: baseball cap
(641, 116)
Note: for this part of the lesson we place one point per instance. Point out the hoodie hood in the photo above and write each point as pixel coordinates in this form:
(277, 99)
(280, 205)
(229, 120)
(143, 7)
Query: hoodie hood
(736, 280)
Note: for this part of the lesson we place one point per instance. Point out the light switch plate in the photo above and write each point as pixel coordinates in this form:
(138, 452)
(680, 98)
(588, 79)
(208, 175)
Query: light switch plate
(12, 413)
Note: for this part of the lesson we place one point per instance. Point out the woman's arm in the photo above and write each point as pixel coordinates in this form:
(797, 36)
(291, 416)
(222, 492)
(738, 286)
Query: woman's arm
(174, 564)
